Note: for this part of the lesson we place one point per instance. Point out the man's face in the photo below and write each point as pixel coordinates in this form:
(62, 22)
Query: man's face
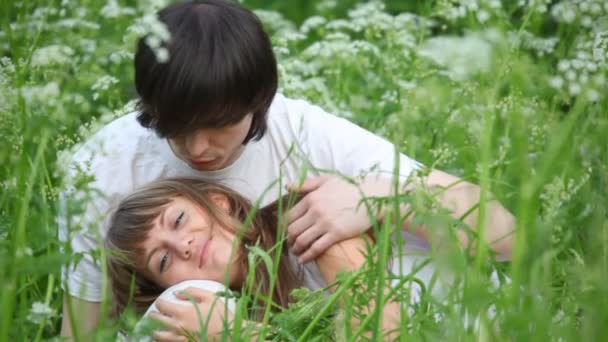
(211, 149)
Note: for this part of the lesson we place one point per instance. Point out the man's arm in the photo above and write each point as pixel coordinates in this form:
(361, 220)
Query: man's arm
(330, 213)
(459, 197)
(86, 314)
(349, 255)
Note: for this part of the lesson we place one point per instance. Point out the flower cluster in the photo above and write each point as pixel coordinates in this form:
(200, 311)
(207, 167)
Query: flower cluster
(538, 6)
(586, 12)
(585, 72)
(40, 312)
(481, 10)
(156, 35)
(52, 54)
(462, 57)
(527, 40)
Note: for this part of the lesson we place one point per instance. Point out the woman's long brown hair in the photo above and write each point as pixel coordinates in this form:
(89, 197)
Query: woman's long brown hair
(134, 217)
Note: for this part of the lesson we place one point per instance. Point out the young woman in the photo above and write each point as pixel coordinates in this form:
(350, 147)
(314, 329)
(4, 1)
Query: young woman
(182, 229)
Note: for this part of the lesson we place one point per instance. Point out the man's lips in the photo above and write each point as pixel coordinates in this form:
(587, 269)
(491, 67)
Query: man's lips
(203, 253)
(203, 162)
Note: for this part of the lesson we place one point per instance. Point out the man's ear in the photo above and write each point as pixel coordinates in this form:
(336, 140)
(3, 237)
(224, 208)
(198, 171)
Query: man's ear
(221, 201)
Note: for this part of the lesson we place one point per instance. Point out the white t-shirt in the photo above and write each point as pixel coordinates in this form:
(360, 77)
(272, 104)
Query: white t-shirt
(123, 156)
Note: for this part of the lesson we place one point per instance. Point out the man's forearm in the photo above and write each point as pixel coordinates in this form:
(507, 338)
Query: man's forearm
(463, 201)
(85, 313)
(461, 198)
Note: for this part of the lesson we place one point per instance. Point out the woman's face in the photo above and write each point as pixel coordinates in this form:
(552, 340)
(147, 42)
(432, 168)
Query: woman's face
(185, 243)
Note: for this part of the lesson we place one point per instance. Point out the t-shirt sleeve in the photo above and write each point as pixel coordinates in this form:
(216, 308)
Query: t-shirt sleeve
(338, 144)
(91, 184)
(79, 222)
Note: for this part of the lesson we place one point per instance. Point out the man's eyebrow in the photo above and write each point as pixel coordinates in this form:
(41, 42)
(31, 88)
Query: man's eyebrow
(162, 224)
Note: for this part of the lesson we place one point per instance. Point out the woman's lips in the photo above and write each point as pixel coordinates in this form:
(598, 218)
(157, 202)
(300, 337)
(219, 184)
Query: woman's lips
(203, 254)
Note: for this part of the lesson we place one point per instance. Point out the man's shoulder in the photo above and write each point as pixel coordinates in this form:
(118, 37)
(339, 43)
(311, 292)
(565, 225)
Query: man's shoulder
(119, 140)
(123, 128)
(291, 111)
(302, 115)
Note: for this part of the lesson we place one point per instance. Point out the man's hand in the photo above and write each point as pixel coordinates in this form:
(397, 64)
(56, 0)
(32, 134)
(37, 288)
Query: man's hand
(330, 212)
(182, 321)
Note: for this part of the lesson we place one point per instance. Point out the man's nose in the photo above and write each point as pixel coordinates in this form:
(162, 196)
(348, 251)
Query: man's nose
(197, 144)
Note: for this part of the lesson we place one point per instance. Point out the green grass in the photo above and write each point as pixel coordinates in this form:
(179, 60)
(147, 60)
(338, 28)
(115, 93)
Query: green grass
(512, 98)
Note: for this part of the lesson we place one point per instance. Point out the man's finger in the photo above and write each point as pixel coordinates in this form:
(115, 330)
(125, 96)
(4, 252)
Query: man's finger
(297, 211)
(168, 322)
(317, 248)
(199, 295)
(167, 308)
(309, 184)
(168, 336)
(296, 228)
(305, 240)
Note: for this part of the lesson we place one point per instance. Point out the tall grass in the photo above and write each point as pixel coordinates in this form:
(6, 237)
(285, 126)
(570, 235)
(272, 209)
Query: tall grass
(510, 95)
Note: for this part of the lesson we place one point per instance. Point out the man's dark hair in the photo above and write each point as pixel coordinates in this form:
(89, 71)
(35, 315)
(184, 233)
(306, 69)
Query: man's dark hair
(221, 67)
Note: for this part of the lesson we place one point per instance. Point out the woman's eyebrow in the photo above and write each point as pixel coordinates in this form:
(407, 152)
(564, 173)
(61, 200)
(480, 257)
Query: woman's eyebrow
(162, 224)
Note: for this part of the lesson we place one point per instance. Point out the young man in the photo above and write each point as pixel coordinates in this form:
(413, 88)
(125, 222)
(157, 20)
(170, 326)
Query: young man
(212, 111)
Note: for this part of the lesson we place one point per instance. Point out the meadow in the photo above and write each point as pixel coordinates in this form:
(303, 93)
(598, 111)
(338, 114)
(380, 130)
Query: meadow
(511, 95)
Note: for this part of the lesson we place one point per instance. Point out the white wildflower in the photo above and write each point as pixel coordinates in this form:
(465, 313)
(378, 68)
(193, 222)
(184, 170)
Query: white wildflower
(326, 5)
(577, 64)
(113, 10)
(152, 5)
(483, 16)
(586, 21)
(162, 55)
(494, 4)
(542, 46)
(40, 312)
(24, 252)
(599, 80)
(564, 12)
(88, 45)
(595, 8)
(119, 56)
(462, 56)
(75, 22)
(406, 85)
(560, 192)
(443, 154)
(570, 75)
(47, 93)
(574, 89)
(593, 95)
(563, 65)
(6, 66)
(156, 34)
(591, 67)
(102, 84)
(274, 21)
(556, 82)
(52, 54)
(312, 24)
(339, 25)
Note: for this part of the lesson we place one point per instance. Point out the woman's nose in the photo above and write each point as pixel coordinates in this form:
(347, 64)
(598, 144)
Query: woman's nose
(184, 247)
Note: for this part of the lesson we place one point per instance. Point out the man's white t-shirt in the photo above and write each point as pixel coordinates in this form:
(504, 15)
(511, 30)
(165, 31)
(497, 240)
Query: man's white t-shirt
(122, 156)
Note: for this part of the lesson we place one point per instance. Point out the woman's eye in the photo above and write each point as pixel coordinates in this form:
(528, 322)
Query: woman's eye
(163, 262)
(179, 219)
